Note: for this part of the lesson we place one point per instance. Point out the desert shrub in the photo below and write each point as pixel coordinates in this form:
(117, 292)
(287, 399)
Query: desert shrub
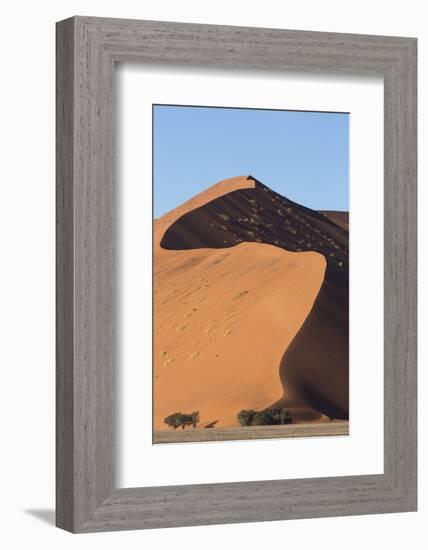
(174, 420)
(195, 418)
(179, 419)
(285, 417)
(266, 417)
(245, 417)
(263, 418)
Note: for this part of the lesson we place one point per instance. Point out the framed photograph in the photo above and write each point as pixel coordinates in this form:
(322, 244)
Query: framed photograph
(241, 322)
(236, 274)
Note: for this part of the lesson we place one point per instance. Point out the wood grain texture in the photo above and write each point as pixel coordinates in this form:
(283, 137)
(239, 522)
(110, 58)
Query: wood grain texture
(87, 49)
(64, 277)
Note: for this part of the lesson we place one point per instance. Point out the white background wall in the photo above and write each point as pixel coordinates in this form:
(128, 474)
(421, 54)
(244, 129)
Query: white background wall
(27, 271)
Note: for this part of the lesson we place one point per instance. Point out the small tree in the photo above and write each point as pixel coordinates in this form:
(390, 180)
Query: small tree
(195, 418)
(174, 420)
(275, 415)
(285, 417)
(245, 417)
(179, 419)
(266, 417)
(263, 418)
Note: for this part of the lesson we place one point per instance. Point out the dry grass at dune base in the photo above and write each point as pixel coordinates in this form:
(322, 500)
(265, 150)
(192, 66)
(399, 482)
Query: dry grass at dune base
(316, 429)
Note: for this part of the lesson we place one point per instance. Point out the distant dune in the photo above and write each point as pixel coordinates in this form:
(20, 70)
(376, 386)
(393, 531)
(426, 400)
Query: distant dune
(339, 217)
(250, 306)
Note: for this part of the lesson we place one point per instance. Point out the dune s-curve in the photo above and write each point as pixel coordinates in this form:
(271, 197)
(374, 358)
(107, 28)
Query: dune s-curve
(314, 369)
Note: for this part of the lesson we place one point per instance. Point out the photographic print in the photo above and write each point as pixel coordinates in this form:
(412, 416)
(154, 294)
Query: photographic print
(250, 273)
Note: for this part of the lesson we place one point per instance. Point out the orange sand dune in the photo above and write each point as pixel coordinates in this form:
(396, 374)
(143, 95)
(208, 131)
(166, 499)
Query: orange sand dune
(222, 321)
(232, 297)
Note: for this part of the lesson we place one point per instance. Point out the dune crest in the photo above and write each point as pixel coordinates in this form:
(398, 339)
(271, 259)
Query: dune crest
(241, 320)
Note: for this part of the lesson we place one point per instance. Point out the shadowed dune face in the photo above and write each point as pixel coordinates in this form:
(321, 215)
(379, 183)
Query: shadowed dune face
(290, 339)
(257, 214)
(340, 218)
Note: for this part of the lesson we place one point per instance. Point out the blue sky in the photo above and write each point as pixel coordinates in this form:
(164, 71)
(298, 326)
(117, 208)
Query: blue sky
(301, 155)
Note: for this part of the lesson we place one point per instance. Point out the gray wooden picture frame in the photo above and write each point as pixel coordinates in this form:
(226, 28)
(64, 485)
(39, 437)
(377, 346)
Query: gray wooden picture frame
(87, 50)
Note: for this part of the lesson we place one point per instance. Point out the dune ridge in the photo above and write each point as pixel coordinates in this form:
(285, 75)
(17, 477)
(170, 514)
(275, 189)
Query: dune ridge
(234, 247)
